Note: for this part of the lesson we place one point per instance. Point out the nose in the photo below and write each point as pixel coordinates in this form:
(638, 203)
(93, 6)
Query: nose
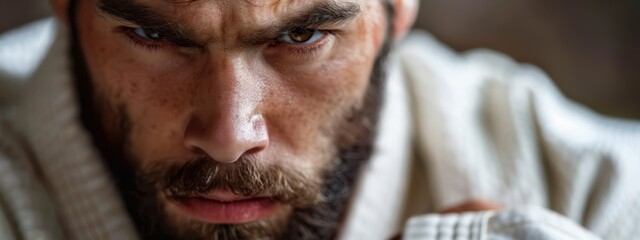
(228, 124)
(228, 139)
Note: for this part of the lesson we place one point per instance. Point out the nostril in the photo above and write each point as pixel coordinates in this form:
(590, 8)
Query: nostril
(226, 139)
(196, 150)
(254, 150)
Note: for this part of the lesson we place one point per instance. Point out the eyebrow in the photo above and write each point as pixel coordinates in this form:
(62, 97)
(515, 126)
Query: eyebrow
(320, 14)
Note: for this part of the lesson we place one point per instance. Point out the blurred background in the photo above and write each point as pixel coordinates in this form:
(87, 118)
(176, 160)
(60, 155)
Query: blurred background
(591, 48)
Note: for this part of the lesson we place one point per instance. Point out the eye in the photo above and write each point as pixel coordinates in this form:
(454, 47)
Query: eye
(143, 37)
(148, 35)
(302, 36)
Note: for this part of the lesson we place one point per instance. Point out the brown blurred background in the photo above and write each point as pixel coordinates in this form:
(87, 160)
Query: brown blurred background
(591, 48)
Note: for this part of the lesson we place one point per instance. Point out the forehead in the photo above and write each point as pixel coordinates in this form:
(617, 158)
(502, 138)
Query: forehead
(260, 10)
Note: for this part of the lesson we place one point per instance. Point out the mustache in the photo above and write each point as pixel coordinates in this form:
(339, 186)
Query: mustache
(244, 177)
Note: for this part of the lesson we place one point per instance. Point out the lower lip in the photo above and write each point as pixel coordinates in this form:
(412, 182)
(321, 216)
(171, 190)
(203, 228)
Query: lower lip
(234, 212)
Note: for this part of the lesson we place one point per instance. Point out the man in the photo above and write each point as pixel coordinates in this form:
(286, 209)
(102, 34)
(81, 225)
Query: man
(263, 119)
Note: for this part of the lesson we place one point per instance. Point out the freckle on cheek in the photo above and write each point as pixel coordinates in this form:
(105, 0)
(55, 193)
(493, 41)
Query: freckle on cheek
(118, 94)
(134, 87)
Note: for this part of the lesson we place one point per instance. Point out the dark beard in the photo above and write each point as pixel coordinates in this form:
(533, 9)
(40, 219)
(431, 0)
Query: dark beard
(319, 220)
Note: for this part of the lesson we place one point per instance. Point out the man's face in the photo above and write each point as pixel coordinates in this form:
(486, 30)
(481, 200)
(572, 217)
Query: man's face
(232, 113)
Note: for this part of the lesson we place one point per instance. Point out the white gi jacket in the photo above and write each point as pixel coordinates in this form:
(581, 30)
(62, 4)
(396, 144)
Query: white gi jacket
(453, 127)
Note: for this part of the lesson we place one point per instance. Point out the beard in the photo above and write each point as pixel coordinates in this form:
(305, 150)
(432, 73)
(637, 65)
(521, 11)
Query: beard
(316, 203)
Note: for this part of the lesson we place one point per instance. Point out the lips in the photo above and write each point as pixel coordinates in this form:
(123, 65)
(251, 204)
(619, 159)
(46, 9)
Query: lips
(221, 207)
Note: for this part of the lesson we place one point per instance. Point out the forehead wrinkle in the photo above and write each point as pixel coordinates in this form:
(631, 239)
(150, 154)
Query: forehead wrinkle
(230, 23)
(289, 10)
(268, 21)
(153, 17)
(227, 21)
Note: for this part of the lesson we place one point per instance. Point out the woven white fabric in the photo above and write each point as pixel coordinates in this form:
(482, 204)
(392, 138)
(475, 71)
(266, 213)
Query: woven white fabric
(48, 147)
(489, 128)
(470, 226)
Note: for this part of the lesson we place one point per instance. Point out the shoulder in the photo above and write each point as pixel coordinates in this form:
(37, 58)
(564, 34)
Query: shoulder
(426, 59)
(507, 112)
(21, 52)
(26, 211)
(484, 83)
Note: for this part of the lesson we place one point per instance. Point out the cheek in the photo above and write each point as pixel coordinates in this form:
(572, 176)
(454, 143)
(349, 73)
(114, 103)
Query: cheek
(111, 71)
(310, 104)
(117, 65)
(155, 99)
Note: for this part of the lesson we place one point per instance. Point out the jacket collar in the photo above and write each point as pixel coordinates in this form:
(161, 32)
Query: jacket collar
(379, 200)
(76, 178)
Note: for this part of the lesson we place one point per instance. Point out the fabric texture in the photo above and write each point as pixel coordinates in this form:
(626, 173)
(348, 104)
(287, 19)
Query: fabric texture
(56, 152)
(489, 128)
(451, 226)
(454, 127)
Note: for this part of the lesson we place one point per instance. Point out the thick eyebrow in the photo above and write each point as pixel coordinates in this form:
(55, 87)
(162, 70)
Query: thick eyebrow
(320, 14)
(149, 19)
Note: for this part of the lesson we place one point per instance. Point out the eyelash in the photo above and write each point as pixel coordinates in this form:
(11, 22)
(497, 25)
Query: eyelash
(305, 51)
(140, 42)
(298, 51)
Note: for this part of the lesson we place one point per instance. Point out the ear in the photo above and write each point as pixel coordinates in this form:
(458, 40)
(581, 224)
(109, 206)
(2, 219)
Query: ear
(61, 9)
(405, 15)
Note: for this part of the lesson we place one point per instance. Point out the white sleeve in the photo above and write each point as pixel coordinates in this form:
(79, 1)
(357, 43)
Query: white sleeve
(490, 128)
(518, 223)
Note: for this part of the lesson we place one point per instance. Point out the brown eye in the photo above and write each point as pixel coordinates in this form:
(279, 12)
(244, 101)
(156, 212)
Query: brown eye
(302, 36)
